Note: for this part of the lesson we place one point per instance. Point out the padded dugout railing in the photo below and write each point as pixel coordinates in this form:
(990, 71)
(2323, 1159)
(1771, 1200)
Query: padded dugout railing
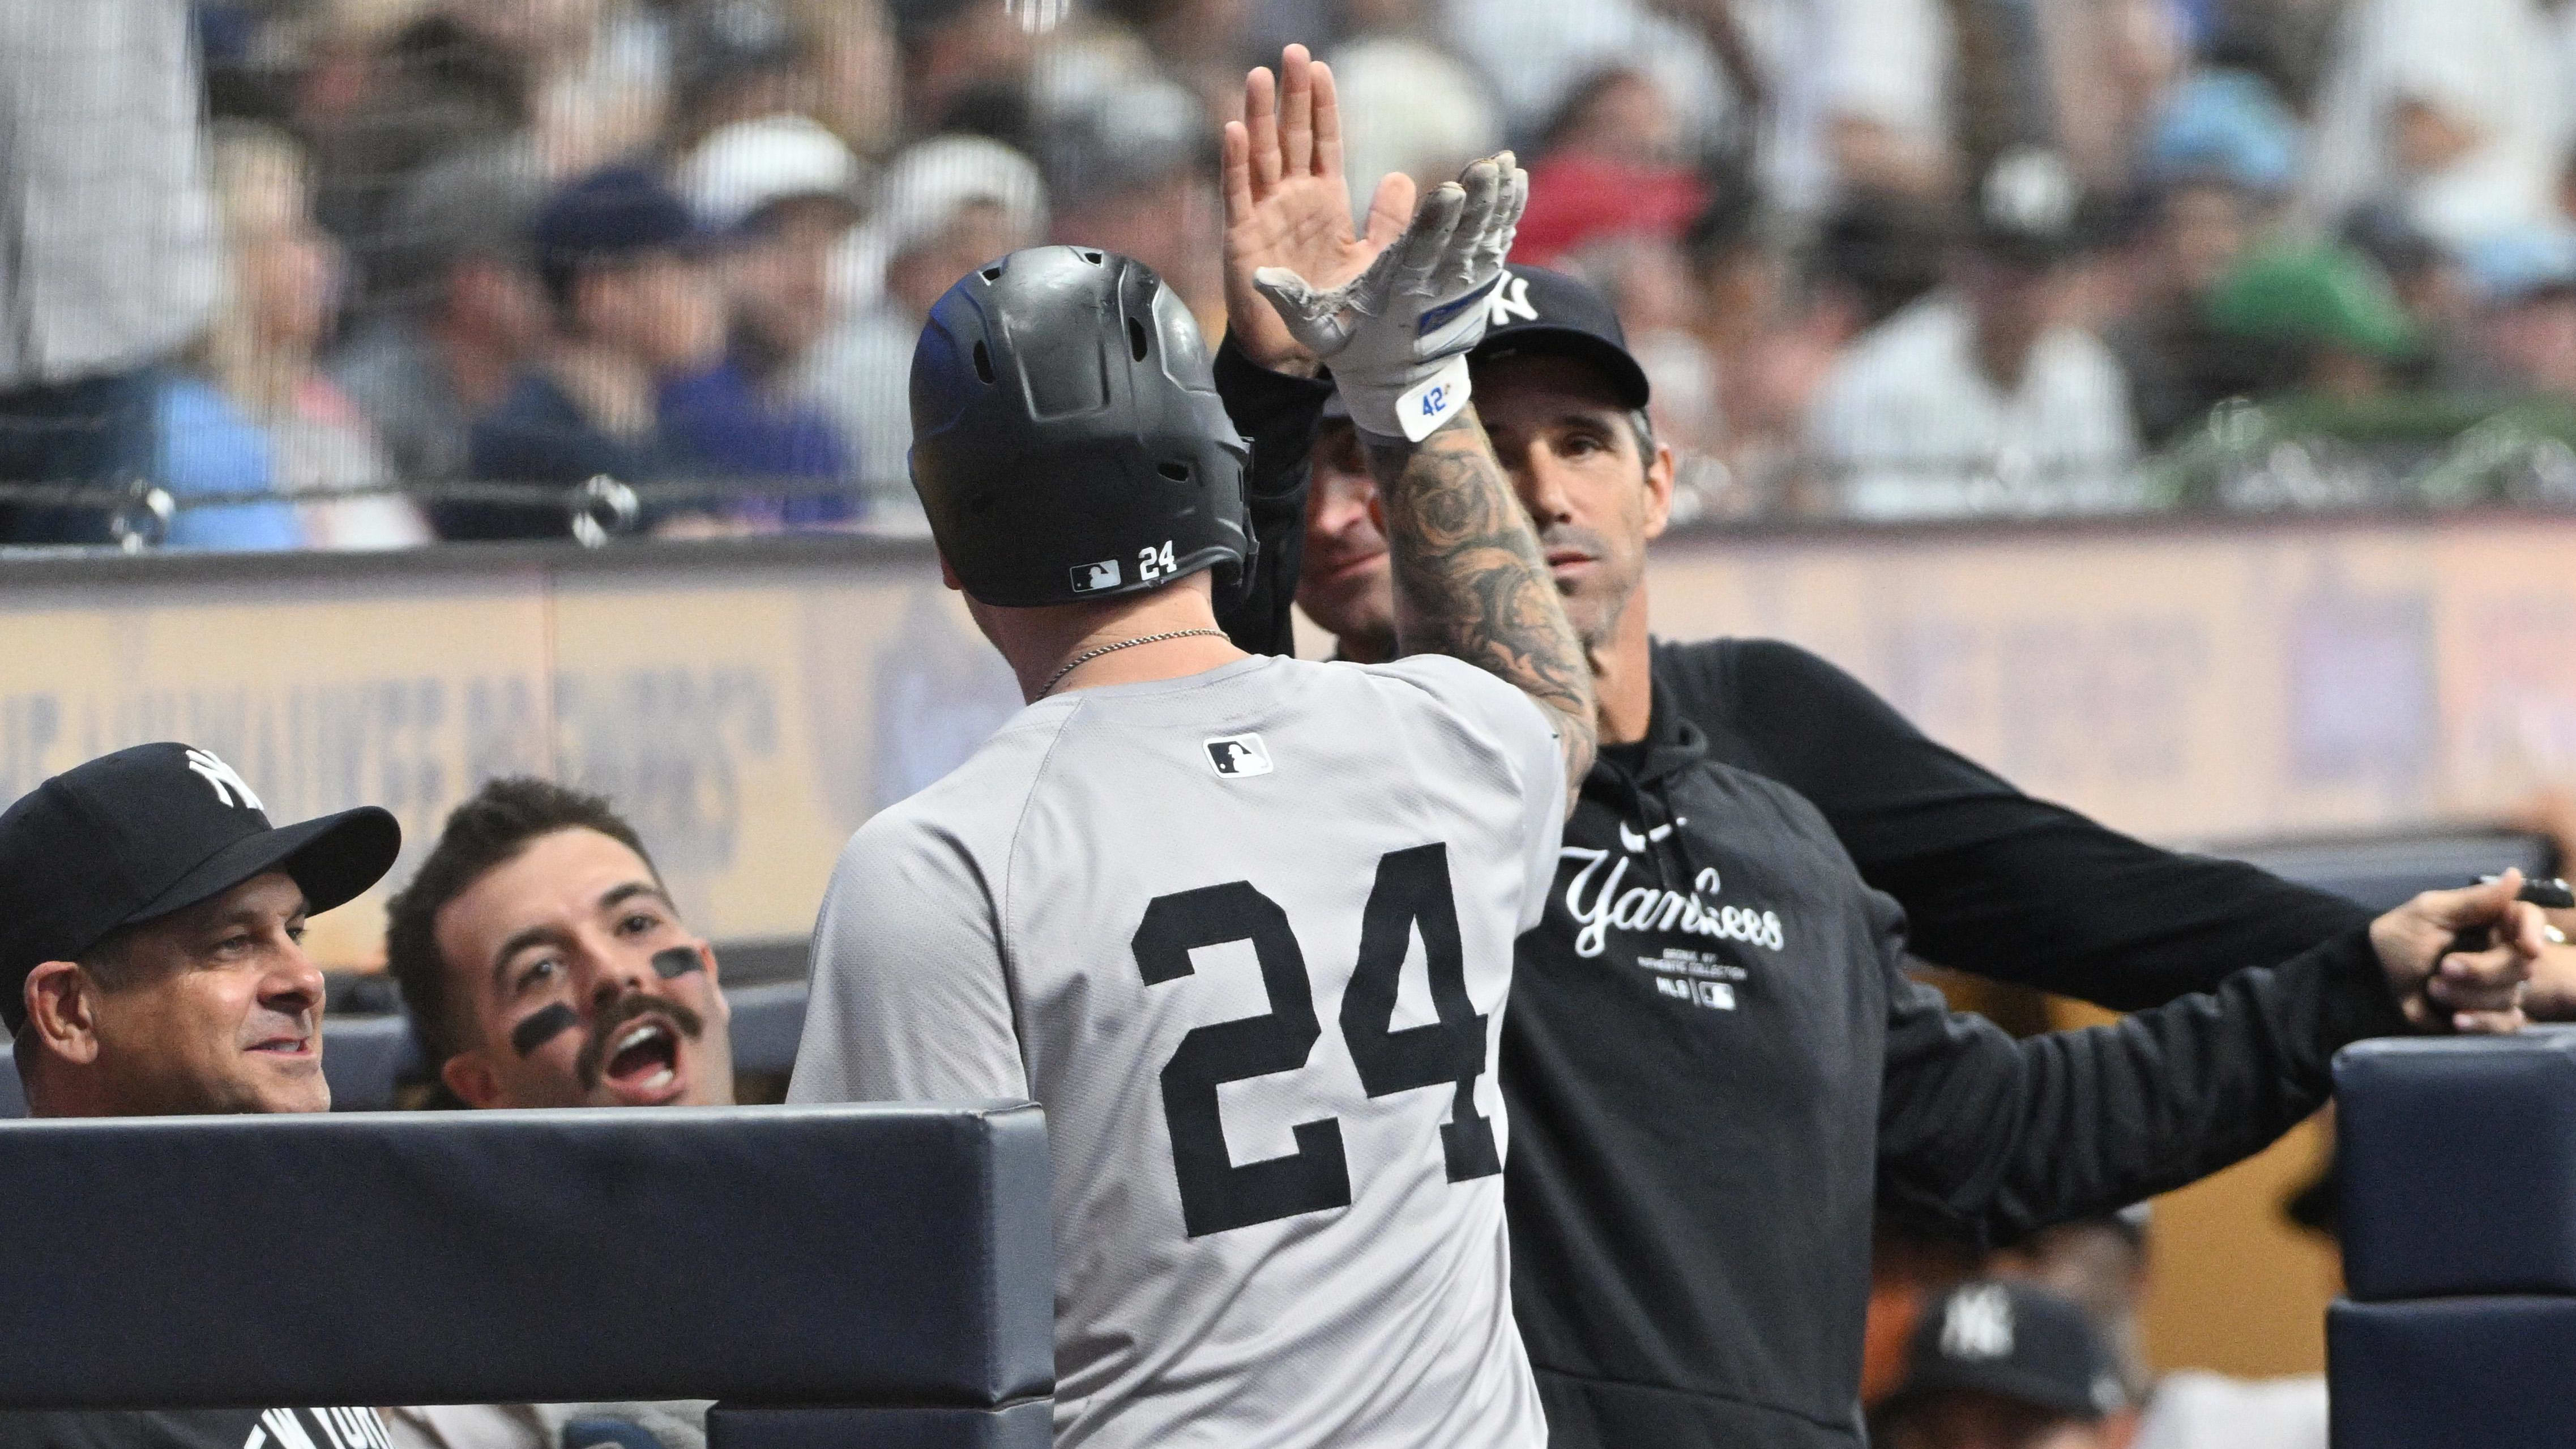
(868, 1277)
(2458, 1160)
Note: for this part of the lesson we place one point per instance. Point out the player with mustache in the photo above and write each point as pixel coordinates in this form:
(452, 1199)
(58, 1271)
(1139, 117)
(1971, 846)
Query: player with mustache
(545, 966)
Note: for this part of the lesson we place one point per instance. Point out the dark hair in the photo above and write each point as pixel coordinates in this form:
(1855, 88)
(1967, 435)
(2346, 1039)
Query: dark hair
(487, 831)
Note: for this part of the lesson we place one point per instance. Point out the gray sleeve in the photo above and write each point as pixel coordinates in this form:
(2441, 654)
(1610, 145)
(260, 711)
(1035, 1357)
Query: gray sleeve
(909, 999)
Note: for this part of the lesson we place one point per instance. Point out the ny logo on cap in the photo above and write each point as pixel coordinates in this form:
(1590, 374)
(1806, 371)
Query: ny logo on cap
(1510, 300)
(1979, 1325)
(227, 784)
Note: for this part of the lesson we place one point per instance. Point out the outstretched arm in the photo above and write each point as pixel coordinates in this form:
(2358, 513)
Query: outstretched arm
(1999, 1137)
(1469, 579)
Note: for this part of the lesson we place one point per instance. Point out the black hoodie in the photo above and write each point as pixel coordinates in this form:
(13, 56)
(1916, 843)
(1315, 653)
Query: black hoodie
(1715, 1065)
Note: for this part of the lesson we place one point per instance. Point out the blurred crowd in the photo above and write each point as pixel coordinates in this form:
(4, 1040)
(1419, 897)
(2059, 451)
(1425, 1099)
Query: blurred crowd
(288, 260)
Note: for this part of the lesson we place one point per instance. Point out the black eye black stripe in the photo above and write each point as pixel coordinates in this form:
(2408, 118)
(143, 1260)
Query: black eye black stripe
(676, 961)
(542, 1027)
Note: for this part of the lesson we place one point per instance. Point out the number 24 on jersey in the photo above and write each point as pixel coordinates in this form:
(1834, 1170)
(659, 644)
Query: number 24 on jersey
(1412, 890)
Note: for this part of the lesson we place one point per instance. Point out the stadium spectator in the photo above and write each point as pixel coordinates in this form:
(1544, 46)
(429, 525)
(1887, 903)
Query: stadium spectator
(442, 348)
(1132, 172)
(543, 965)
(625, 268)
(1199, 43)
(432, 88)
(2002, 1365)
(1982, 398)
(2525, 284)
(113, 263)
(150, 930)
(2322, 321)
(1537, 54)
(2222, 156)
(596, 73)
(781, 190)
(1407, 104)
(943, 208)
(957, 56)
(1612, 162)
(1649, 285)
(253, 413)
(2454, 109)
(733, 61)
(1770, 338)
(857, 72)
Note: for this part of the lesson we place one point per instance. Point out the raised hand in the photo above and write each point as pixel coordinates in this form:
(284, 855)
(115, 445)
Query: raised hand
(2472, 990)
(1287, 206)
(1397, 335)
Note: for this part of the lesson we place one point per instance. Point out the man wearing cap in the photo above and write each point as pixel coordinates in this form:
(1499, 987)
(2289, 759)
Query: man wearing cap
(1983, 398)
(1715, 1061)
(779, 190)
(942, 208)
(150, 918)
(635, 301)
(444, 345)
(2002, 1365)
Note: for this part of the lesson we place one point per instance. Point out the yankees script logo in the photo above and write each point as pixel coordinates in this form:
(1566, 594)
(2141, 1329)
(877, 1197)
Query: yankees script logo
(1510, 300)
(1654, 908)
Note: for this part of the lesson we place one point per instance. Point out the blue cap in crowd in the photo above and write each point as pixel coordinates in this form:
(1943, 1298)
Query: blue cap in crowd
(610, 215)
(2226, 125)
(2513, 266)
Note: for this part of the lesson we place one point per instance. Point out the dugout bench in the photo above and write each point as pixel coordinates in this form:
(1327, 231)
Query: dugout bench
(862, 1277)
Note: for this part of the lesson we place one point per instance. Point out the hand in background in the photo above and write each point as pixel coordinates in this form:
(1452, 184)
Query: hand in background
(2553, 976)
(2477, 990)
(1286, 204)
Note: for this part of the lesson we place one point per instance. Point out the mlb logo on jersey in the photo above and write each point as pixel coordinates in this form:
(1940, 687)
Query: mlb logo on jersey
(1091, 578)
(1239, 756)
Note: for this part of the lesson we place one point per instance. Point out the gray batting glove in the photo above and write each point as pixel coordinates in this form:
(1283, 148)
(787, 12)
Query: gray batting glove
(1397, 335)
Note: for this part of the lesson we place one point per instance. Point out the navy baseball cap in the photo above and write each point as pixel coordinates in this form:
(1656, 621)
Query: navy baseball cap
(2015, 1342)
(610, 215)
(133, 836)
(1534, 310)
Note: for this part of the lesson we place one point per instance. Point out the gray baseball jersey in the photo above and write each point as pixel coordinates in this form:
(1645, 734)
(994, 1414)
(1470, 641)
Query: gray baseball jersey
(1246, 936)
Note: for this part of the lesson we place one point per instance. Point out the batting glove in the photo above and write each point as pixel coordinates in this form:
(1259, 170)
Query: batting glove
(1397, 335)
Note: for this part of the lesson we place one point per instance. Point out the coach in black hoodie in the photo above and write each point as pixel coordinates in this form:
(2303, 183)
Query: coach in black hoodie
(1714, 1062)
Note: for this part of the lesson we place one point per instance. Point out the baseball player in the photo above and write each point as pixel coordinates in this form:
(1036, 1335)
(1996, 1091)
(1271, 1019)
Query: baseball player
(1242, 924)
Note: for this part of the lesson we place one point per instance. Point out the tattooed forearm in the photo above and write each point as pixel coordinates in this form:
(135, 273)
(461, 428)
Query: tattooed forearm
(1470, 581)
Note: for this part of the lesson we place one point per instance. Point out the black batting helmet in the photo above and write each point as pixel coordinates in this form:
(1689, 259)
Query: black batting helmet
(1068, 443)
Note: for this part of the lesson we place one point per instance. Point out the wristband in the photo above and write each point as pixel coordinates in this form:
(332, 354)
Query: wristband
(1423, 407)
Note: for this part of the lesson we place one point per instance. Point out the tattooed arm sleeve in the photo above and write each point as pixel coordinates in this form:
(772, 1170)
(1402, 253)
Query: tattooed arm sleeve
(1469, 579)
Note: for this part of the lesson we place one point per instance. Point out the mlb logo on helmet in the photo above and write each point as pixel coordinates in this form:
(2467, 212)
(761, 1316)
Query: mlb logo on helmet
(1091, 578)
(1239, 756)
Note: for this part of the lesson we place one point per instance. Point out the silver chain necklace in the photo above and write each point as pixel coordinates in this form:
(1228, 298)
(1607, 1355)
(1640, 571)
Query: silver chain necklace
(1086, 656)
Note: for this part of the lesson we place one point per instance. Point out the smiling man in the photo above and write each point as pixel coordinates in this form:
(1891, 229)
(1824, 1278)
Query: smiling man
(151, 929)
(544, 965)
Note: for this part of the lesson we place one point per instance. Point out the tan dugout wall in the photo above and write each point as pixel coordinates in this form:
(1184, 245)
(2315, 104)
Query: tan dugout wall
(749, 704)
